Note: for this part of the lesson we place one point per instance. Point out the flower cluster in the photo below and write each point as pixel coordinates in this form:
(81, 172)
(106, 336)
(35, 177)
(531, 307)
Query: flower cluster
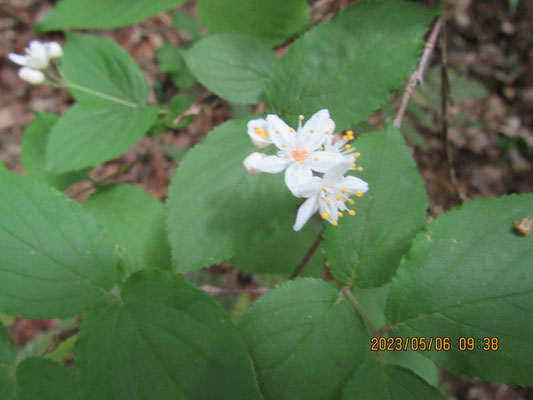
(313, 161)
(36, 60)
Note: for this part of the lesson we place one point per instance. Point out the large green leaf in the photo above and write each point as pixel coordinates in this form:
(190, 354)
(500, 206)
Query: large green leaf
(282, 251)
(95, 131)
(135, 220)
(234, 66)
(99, 64)
(69, 14)
(215, 208)
(367, 248)
(54, 261)
(8, 385)
(272, 21)
(305, 340)
(43, 379)
(33, 153)
(379, 381)
(469, 275)
(165, 340)
(351, 63)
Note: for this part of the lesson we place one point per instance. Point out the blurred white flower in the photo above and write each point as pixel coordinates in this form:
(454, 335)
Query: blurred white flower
(33, 76)
(329, 195)
(258, 132)
(37, 55)
(300, 152)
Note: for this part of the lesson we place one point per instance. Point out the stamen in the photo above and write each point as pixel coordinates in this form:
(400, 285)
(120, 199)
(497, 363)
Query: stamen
(283, 145)
(344, 190)
(277, 131)
(261, 132)
(352, 166)
(334, 223)
(360, 169)
(321, 148)
(357, 154)
(359, 194)
(312, 130)
(347, 146)
(325, 215)
(338, 197)
(340, 214)
(351, 201)
(352, 212)
(300, 154)
(328, 202)
(291, 130)
(300, 117)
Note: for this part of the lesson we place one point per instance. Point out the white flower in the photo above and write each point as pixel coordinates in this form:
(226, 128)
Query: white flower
(343, 147)
(329, 195)
(33, 76)
(37, 55)
(258, 131)
(299, 152)
(250, 161)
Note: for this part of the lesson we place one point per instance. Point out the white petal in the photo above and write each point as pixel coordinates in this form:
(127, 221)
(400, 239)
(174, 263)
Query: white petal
(306, 211)
(312, 187)
(270, 164)
(38, 57)
(335, 173)
(54, 50)
(296, 175)
(280, 132)
(259, 141)
(321, 161)
(352, 184)
(18, 59)
(250, 161)
(32, 76)
(314, 130)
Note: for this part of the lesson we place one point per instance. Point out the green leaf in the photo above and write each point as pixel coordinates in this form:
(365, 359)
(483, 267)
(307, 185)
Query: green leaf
(215, 208)
(305, 340)
(33, 153)
(282, 251)
(167, 340)
(367, 248)
(68, 14)
(233, 66)
(351, 63)
(54, 261)
(177, 106)
(469, 275)
(43, 379)
(378, 381)
(169, 58)
(2, 166)
(8, 385)
(93, 132)
(184, 79)
(135, 220)
(272, 22)
(99, 64)
(186, 24)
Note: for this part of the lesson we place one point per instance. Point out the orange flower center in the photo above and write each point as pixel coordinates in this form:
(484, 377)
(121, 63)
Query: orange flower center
(299, 154)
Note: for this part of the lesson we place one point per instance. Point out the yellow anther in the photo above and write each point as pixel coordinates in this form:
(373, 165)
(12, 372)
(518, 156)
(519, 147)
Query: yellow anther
(360, 169)
(287, 156)
(300, 117)
(312, 130)
(350, 133)
(347, 146)
(328, 132)
(344, 190)
(316, 158)
(352, 212)
(340, 214)
(351, 201)
(321, 148)
(357, 154)
(338, 197)
(291, 130)
(328, 202)
(261, 132)
(334, 223)
(346, 137)
(325, 216)
(283, 145)
(352, 166)
(359, 194)
(277, 131)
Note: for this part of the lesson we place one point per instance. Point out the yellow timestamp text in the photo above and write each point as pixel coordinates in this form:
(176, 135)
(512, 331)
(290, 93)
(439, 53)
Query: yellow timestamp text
(433, 343)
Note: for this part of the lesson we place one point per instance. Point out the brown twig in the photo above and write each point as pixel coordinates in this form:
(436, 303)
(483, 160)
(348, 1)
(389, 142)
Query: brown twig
(216, 291)
(417, 77)
(307, 256)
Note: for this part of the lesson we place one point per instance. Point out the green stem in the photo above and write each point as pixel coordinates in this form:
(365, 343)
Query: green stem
(99, 94)
(357, 307)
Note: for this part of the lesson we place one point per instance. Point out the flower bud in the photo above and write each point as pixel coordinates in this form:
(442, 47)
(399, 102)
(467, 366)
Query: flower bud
(250, 161)
(32, 76)
(54, 50)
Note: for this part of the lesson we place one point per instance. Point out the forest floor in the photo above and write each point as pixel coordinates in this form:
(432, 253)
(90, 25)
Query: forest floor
(488, 150)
